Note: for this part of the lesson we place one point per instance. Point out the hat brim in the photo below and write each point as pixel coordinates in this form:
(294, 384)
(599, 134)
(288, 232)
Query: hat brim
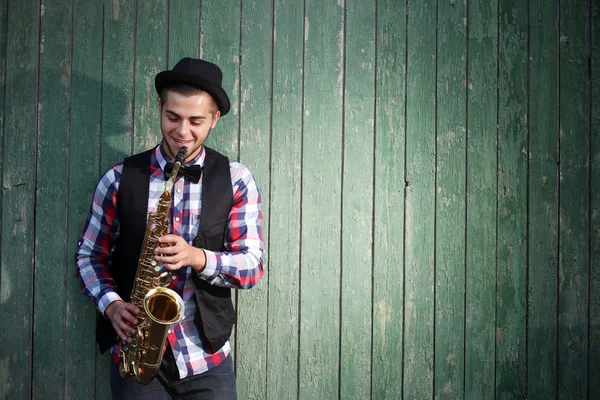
(167, 78)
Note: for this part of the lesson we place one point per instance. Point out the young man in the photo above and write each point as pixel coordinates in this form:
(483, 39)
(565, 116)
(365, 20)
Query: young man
(216, 241)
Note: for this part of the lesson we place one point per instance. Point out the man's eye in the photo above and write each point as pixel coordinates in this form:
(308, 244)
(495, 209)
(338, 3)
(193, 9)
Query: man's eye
(172, 119)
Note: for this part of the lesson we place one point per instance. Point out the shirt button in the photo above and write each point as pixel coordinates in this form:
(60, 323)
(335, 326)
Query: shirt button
(177, 219)
(168, 331)
(178, 190)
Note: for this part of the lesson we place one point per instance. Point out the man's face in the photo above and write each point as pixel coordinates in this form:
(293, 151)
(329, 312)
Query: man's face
(187, 121)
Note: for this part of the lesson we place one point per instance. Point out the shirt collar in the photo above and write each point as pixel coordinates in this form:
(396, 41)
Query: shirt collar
(162, 159)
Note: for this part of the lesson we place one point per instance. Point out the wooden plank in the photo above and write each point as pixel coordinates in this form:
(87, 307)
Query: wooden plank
(388, 251)
(220, 43)
(321, 202)
(18, 186)
(3, 46)
(255, 140)
(84, 170)
(51, 259)
(481, 201)
(573, 256)
(450, 201)
(512, 201)
(420, 201)
(283, 247)
(117, 82)
(543, 201)
(357, 201)
(150, 59)
(117, 112)
(184, 26)
(594, 354)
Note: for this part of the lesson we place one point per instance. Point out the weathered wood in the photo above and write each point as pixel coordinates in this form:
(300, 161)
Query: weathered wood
(420, 201)
(357, 201)
(594, 352)
(388, 224)
(481, 201)
(573, 254)
(184, 28)
(283, 246)
(220, 43)
(543, 200)
(52, 263)
(512, 201)
(150, 59)
(3, 49)
(3, 45)
(255, 141)
(84, 169)
(117, 112)
(321, 200)
(450, 201)
(18, 187)
(117, 82)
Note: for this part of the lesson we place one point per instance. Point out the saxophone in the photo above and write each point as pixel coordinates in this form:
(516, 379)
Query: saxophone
(161, 307)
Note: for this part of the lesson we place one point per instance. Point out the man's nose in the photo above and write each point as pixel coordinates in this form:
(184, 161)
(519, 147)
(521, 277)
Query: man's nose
(184, 128)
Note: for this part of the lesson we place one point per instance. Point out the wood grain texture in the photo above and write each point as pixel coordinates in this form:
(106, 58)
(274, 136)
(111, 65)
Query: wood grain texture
(150, 59)
(18, 199)
(481, 201)
(283, 244)
(420, 201)
(543, 200)
(388, 223)
(573, 284)
(117, 111)
(321, 200)
(117, 82)
(220, 43)
(594, 352)
(450, 200)
(255, 143)
(357, 200)
(51, 201)
(84, 170)
(184, 28)
(3, 49)
(512, 201)
(3, 45)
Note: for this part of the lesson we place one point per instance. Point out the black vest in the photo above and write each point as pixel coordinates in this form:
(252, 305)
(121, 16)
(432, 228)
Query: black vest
(215, 314)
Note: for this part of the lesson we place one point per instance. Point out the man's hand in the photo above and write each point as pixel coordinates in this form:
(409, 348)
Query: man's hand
(179, 254)
(120, 313)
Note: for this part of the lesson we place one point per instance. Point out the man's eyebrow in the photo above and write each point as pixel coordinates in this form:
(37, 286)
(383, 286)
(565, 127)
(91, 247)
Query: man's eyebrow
(177, 115)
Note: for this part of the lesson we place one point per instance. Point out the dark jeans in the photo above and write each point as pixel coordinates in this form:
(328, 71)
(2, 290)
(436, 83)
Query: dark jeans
(217, 383)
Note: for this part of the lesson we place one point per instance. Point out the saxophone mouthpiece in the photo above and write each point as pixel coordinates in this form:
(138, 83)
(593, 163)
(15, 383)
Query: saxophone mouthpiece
(181, 154)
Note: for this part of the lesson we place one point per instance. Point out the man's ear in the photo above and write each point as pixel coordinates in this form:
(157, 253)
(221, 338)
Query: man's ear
(216, 117)
(159, 104)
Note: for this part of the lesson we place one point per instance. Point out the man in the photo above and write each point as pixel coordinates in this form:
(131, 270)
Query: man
(216, 241)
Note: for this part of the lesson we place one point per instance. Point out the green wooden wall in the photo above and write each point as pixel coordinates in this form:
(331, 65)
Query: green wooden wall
(430, 171)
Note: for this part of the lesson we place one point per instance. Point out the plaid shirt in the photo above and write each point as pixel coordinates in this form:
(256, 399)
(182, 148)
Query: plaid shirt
(240, 267)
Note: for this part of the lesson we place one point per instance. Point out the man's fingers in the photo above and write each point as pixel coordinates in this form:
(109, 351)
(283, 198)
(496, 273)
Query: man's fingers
(170, 239)
(122, 335)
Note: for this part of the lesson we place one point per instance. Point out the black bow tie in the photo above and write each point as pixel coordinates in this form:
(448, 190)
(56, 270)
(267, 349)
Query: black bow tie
(192, 172)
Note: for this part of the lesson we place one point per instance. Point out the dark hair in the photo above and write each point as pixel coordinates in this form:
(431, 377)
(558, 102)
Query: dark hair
(185, 90)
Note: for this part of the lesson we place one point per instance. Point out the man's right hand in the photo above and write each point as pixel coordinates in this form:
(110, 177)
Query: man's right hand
(122, 316)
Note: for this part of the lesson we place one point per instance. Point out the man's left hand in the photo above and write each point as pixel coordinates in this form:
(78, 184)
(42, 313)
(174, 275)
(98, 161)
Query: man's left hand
(179, 254)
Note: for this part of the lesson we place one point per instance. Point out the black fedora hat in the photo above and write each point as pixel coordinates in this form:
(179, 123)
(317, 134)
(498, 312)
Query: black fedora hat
(199, 73)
